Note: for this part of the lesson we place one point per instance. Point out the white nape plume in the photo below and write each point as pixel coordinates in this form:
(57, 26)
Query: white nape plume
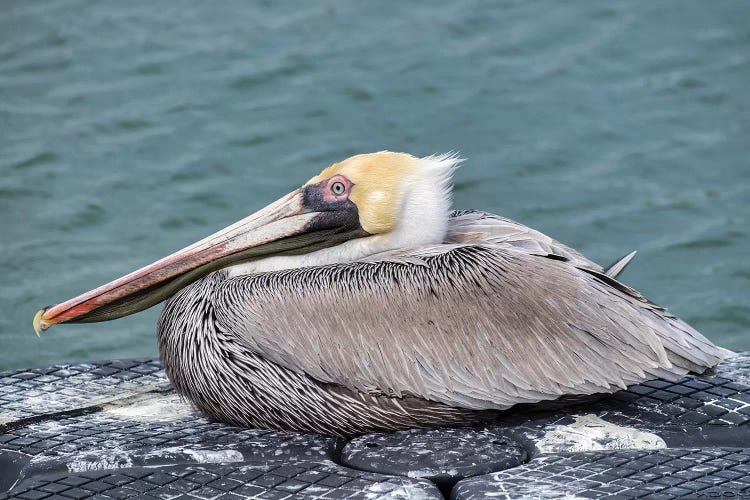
(423, 220)
(426, 202)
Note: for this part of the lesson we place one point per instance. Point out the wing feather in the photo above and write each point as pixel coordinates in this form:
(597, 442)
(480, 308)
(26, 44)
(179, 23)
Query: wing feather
(472, 326)
(477, 227)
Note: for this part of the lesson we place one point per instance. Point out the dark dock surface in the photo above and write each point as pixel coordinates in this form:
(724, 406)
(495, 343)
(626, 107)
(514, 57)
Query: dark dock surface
(117, 430)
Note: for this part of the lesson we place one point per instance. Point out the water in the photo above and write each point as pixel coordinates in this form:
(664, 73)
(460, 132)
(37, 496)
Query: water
(129, 129)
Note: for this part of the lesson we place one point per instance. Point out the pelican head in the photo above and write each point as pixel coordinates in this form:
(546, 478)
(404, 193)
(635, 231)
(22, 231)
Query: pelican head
(364, 205)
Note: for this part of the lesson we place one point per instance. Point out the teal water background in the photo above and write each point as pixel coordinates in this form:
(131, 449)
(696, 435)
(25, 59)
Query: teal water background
(130, 129)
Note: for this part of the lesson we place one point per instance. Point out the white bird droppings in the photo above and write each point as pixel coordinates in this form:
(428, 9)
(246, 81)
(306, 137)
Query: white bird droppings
(153, 406)
(591, 433)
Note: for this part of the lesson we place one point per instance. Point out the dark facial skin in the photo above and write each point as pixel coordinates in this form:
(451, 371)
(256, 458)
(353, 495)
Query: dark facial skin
(331, 198)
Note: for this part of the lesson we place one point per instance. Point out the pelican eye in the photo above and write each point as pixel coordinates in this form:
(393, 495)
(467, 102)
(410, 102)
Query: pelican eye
(338, 188)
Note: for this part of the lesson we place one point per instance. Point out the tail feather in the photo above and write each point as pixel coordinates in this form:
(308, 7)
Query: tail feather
(618, 266)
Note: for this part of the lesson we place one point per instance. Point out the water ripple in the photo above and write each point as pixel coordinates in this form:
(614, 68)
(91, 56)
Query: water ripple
(127, 131)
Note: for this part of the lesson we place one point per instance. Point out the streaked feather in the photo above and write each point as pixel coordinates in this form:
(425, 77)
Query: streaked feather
(499, 315)
(478, 327)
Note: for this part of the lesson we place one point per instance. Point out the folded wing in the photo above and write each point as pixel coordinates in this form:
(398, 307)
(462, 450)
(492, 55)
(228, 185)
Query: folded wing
(477, 326)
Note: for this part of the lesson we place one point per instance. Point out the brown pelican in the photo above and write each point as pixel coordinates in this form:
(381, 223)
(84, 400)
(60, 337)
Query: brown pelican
(359, 302)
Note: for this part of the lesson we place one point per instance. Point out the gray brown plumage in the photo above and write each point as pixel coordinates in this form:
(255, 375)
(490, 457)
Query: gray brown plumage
(417, 338)
(366, 316)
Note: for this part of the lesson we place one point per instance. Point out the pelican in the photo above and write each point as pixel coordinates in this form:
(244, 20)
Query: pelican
(359, 302)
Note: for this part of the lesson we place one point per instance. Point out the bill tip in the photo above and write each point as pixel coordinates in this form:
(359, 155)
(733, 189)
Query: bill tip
(39, 324)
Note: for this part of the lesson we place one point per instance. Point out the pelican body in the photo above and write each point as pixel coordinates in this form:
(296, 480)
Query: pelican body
(359, 302)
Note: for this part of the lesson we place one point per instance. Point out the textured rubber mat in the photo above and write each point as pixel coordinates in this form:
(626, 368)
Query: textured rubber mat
(117, 430)
(226, 481)
(696, 411)
(61, 388)
(441, 455)
(654, 474)
(722, 399)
